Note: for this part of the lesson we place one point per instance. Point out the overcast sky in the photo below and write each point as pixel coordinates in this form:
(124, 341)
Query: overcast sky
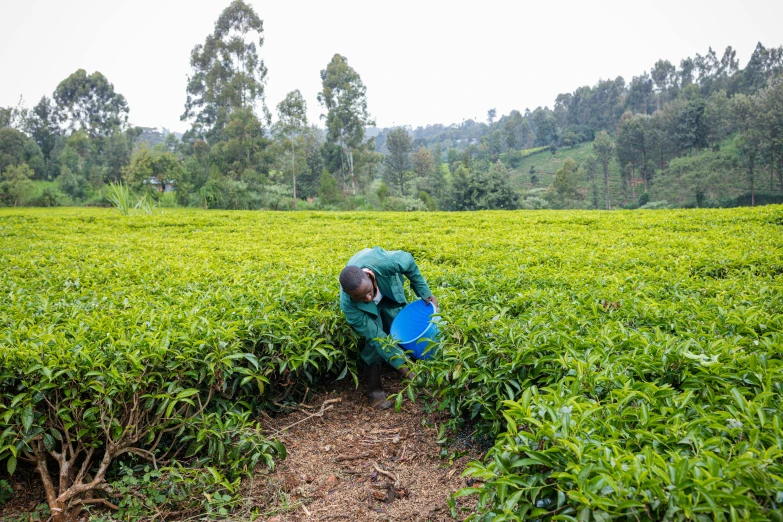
(422, 61)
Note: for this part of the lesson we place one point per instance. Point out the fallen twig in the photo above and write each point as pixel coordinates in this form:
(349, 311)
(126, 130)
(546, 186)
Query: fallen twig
(353, 457)
(319, 413)
(384, 472)
(385, 432)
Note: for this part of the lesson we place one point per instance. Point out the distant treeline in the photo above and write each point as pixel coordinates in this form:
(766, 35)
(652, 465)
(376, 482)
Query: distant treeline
(705, 133)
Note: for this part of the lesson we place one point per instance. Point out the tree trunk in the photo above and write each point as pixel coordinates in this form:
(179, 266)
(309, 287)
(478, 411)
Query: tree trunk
(293, 168)
(353, 177)
(606, 180)
(49, 488)
(780, 172)
(771, 177)
(679, 186)
(342, 167)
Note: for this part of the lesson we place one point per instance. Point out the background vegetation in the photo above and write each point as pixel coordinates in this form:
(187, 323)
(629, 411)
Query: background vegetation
(706, 132)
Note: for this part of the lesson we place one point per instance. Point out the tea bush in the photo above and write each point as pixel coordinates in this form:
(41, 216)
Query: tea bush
(627, 364)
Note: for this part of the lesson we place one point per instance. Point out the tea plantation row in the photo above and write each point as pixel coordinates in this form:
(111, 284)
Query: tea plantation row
(628, 364)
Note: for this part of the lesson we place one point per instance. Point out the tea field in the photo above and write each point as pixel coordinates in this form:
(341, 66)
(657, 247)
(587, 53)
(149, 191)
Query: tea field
(627, 365)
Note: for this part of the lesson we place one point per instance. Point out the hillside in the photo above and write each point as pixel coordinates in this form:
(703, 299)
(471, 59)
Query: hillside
(710, 177)
(547, 164)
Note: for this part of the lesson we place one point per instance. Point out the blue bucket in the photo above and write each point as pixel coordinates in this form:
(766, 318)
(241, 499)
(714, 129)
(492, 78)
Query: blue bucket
(414, 327)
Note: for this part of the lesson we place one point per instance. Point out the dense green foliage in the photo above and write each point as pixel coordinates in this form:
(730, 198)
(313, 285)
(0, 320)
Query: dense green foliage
(631, 366)
(628, 363)
(147, 336)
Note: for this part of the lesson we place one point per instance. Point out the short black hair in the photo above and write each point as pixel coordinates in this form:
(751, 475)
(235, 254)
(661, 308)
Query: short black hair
(352, 278)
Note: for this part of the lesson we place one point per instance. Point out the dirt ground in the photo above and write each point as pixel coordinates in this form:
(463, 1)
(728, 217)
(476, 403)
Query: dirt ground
(346, 461)
(357, 463)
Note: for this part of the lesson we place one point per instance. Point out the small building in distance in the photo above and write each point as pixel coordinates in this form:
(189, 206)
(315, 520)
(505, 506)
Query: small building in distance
(168, 185)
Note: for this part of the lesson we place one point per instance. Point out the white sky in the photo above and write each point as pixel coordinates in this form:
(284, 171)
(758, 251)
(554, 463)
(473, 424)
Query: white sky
(422, 61)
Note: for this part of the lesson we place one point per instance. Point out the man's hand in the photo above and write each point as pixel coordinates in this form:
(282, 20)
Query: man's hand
(432, 299)
(407, 373)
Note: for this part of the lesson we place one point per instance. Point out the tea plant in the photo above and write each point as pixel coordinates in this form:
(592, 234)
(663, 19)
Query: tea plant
(628, 365)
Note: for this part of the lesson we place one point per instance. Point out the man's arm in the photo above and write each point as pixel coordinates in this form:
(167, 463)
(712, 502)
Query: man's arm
(405, 263)
(372, 329)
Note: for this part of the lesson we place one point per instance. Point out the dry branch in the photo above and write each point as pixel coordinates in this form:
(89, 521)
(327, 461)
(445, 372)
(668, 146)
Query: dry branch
(352, 457)
(319, 413)
(386, 473)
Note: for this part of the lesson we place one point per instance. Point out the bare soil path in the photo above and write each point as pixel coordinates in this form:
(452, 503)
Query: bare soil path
(357, 463)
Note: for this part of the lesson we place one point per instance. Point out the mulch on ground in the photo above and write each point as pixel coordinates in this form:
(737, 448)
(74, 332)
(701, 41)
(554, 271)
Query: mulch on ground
(357, 463)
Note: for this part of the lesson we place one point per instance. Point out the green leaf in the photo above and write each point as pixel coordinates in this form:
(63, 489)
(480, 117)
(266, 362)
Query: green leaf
(27, 417)
(11, 465)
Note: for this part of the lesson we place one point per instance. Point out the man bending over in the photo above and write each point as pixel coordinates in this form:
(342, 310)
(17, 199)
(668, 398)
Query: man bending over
(371, 295)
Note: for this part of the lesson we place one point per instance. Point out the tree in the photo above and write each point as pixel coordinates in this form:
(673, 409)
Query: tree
(499, 192)
(495, 145)
(491, 114)
(14, 117)
(398, 161)
(312, 145)
(423, 164)
(73, 183)
(665, 131)
(15, 184)
(570, 138)
(490, 190)
(43, 126)
(546, 127)
(383, 192)
(685, 73)
(664, 76)
(566, 182)
(150, 165)
(89, 103)
(604, 150)
(344, 97)
(117, 150)
(328, 191)
(292, 114)
(640, 95)
(635, 147)
(749, 137)
(16, 148)
(241, 155)
(12, 144)
(227, 73)
(769, 122)
(516, 130)
(692, 132)
(763, 64)
(429, 172)
(716, 117)
(590, 168)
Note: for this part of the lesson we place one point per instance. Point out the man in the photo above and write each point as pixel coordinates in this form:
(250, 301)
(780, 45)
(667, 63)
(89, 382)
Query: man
(371, 295)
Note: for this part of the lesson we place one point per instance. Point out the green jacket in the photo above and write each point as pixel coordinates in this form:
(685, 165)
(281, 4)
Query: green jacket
(388, 267)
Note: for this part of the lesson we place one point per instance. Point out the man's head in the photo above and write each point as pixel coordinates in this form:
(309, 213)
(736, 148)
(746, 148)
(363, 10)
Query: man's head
(357, 284)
